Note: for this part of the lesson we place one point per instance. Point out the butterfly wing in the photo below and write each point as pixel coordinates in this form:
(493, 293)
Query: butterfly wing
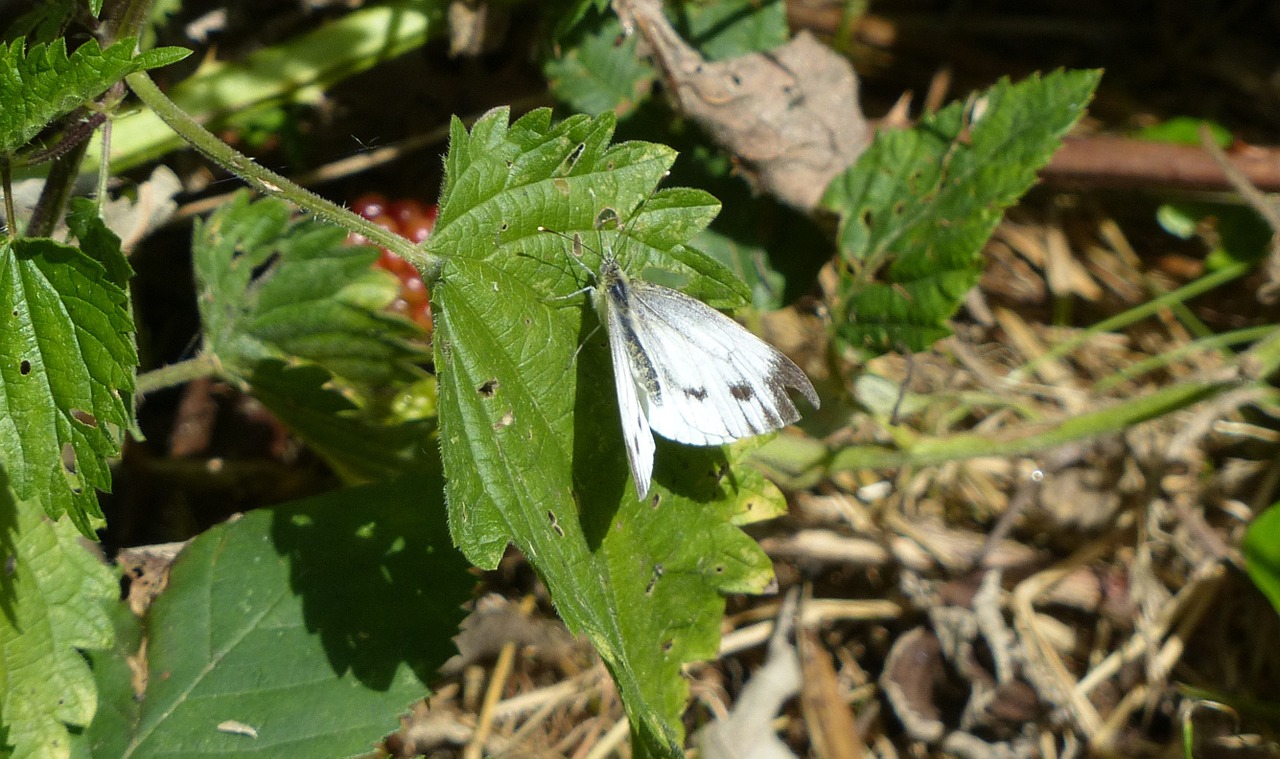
(629, 372)
(715, 381)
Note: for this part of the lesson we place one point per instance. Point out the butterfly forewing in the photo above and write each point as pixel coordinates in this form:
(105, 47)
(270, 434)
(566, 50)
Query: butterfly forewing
(631, 372)
(686, 371)
(716, 382)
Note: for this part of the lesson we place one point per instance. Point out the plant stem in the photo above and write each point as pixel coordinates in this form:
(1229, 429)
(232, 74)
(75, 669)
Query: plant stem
(1136, 314)
(57, 190)
(6, 186)
(172, 375)
(270, 183)
(127, 20)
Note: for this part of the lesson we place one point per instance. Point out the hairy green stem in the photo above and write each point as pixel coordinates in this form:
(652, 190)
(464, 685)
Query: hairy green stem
(127, 19)
(6, 186)
(270, 183)
(801, 462)
(57, 190)
(172, 375)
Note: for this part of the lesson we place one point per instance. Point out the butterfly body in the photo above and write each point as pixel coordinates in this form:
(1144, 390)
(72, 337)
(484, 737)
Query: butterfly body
(686, 371)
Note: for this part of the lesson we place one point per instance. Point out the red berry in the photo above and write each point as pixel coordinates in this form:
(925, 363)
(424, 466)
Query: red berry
(403, 209)
(370, 205)
(422, 315)
(414, 291)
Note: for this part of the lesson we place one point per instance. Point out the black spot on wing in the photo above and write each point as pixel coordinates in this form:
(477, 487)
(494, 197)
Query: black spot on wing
(696, 393)
(742, 391)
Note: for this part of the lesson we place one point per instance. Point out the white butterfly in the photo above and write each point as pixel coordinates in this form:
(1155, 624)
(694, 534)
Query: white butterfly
(686, 371)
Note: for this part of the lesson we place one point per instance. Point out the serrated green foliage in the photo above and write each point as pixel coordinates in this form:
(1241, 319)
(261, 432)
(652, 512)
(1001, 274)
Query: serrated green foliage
(55, 594)
(287, 306)
(777, 250)
(67, 363)
(1262, 554)
(281, 621)
(45, 22)
(273, 288)
(597, 69)
(360, 449)
(919, 204)
(730, 28)
(529, 422)
(39, 84)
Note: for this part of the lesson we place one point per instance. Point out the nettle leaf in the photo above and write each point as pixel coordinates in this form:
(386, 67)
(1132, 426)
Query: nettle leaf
(597, 69)
(358, 448)
(270, 287)
(920, 203)
(530, 435)
(56, 594)
(67, 363)
(312, 623)
(731, 28)
(42, 83)
(1262, 554)
(287, 306)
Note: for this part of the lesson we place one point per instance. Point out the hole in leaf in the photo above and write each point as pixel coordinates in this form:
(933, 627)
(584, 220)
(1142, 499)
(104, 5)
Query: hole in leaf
(555, 523)
(84, 417)
(667, 645)
(69, 470)
(24, 368)
(655, 500)
(488, 389)
(607, 220)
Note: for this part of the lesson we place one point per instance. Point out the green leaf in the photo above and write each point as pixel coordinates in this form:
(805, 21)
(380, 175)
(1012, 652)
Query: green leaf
(45, 21)
(920, 203)
(314, 623)
(529, 421)
(777, 250)
(1233, 233)
(272, 288)
(731, 28)
(54, 595)
(159, 57)
(67, 362)
(274, 293)
(358, 448)
(597, 69)
(1262, 554)
(1185, 130)
(43, 83)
